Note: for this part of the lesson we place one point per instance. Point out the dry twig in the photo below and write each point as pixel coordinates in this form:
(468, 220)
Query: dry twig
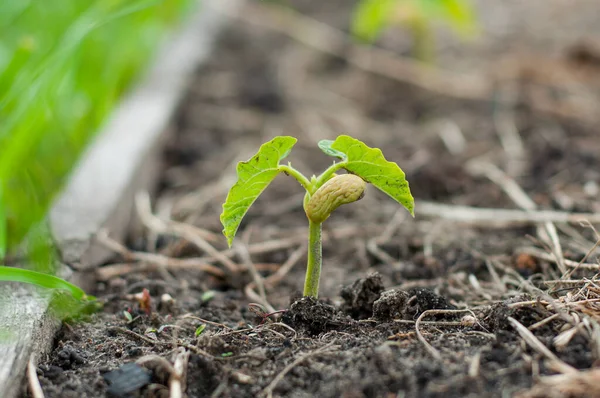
(535, 252)
(430, 349)
(580, 384)
(35, 388)
(503, 218)
(177, 380)
(521, 199)
(190, 316)
(147, 261)
(156, 361)
(537, 345)
(258, 279)
(274, 279)
(188, 232)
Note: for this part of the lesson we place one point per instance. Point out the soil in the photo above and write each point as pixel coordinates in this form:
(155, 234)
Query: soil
(369, 334)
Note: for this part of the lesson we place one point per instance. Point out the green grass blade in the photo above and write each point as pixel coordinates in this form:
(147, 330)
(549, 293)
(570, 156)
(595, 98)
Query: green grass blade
(370, 164)
(254, 176)
(3, 237)
(10, 274)
(63, 66)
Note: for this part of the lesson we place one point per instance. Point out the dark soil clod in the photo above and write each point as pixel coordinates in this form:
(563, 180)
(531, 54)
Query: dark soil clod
(390, 305)
(313, 317)
(360, 296)
(426, 299)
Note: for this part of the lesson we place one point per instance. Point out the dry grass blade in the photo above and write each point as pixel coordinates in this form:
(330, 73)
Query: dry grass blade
(392, 226)
(540, 348)
(502, 218)
(253, 296)
(507, 131)
(35, 388)
(535, 252)
(147, 261)
(188, 232)
(474, 365)
(430, 349)
(589, 253)
(543, 322)
(283, 325)
(177, 380)
(190, 316)
(580, 384)
(258, 279)
(274, 279)
(452, 136)
(155, 263)
(506, 183)
(521, 304)
(380, 254)
(342, 232)
(521, 199)
(292, 260)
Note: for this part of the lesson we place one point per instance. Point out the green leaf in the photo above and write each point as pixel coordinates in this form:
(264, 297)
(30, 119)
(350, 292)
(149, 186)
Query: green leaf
(43, 280)
(371, 166)
(371, 17)
(128, 316)
(207, 296)
(325, 146)
(458, 14)
(254, 176)
(200, 329)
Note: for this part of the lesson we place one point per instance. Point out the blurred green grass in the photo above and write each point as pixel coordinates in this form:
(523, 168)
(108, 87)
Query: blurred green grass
(372, 17)
(63, 66)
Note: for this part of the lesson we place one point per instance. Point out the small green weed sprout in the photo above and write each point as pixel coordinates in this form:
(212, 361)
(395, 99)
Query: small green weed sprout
(371, 17)
(324, 193)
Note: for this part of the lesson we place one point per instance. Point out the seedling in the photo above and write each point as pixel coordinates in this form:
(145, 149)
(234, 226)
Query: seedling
(200, 329)
(324, 193)
(371, 17)
(128, 316)
(207, 296)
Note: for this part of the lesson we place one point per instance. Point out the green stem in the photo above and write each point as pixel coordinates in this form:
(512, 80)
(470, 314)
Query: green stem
(423, 48)
(298, 176)
(313, 269)
(326, 175)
